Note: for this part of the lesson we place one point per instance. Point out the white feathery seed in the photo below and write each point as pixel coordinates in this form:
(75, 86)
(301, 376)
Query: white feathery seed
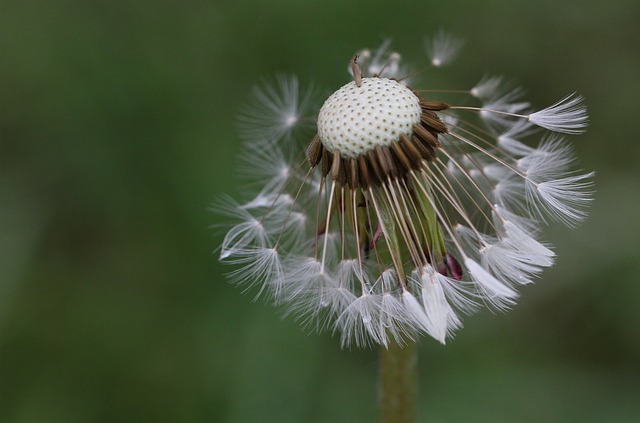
(510, 139)
(488, 88)
(415, 312)
(442, 48)
(568, 116)
(275, 110)
(551, 160)
(496, 293)
(563, 199)
(441, 318)
(358, 323)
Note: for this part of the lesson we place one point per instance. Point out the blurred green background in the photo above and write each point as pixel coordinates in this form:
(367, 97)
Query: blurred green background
(116, 134)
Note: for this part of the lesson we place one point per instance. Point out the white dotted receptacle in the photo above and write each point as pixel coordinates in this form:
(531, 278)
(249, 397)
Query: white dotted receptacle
(354, 120)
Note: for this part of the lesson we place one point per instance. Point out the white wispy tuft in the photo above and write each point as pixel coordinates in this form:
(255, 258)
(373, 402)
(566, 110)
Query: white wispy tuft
(508, 193)
(551, 160)
(528, 225)
(394, 323)
(491, 89)
(498, 294)
(249, 232)
(563, 199)
(568, 115)
(441, 319)
(442, 48)
(267, 167)
(488, 87)
(275, 112)
(511, 139)
(358, 323)
(513, 265)
(507, 103)
(259, 265)
(536, 252)
(415, 312)
(313, 294)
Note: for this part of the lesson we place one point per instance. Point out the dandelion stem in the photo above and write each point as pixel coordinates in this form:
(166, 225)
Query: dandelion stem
(398, 382)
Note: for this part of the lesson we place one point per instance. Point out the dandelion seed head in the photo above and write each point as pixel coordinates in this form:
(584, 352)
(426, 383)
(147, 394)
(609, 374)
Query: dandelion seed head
(401, 214)
(354, 120)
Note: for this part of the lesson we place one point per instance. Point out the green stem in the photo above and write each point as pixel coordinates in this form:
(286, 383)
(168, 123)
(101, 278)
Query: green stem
(398, 383)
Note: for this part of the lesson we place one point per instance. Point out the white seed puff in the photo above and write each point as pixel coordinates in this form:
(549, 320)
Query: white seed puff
(354, 120)
(404, 211)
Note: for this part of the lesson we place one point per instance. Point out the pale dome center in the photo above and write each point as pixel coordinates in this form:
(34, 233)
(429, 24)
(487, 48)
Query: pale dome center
(354, 120)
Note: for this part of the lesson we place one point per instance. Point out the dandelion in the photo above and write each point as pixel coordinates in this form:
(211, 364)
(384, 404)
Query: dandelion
(406, 208)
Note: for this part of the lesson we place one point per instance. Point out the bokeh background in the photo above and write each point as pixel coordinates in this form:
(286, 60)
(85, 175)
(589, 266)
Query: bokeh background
(117, 132)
